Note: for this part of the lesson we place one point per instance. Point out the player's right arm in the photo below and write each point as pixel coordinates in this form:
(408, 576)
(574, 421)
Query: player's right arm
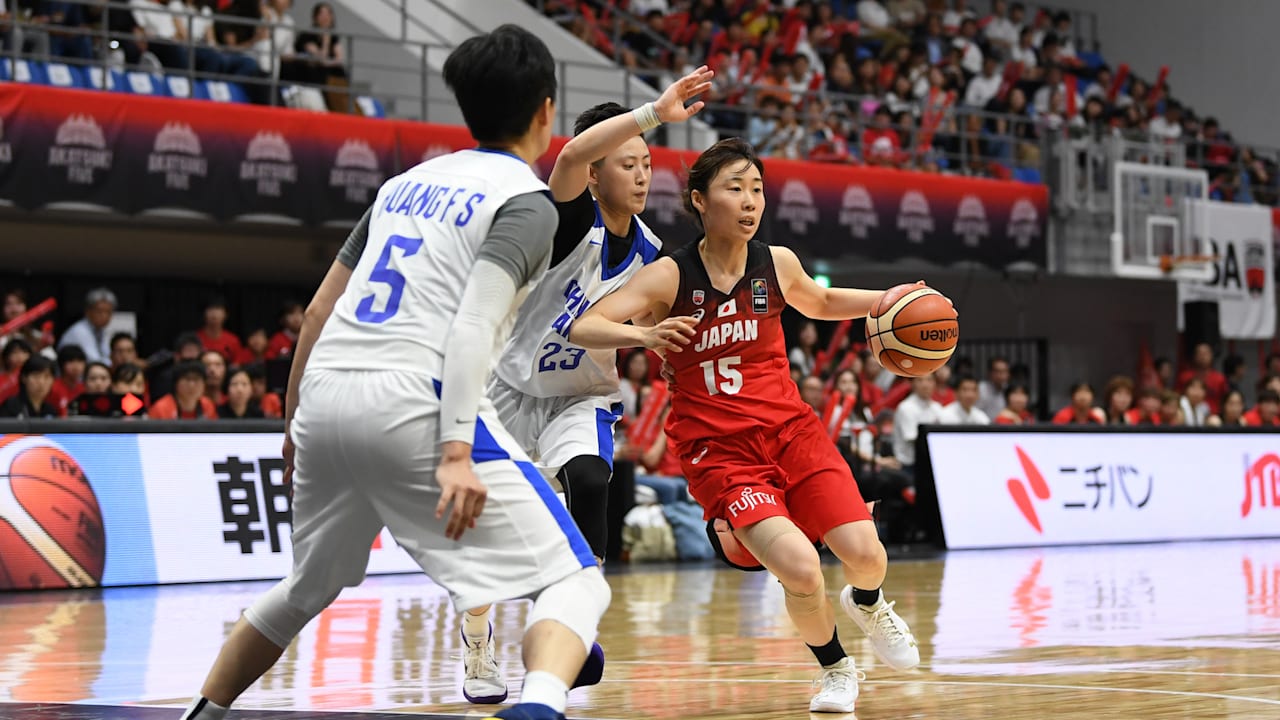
(652, 291)
(569, 176)
(514, 253)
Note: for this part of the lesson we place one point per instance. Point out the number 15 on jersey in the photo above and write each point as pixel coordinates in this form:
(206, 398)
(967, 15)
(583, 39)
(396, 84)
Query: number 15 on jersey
(720, 375)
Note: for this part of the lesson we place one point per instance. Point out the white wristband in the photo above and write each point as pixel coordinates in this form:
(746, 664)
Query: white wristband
(646, 117)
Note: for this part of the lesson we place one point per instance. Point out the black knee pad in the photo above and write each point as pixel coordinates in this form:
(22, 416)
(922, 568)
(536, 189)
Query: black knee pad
(586, 491)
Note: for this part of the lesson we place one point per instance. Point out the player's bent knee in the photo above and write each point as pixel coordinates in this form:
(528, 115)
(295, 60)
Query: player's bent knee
(577, 602)
(586, 476)
(278, 619)
(796, 565)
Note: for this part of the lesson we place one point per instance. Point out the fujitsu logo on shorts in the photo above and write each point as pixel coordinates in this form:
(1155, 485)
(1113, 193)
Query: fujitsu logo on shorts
(749, 500)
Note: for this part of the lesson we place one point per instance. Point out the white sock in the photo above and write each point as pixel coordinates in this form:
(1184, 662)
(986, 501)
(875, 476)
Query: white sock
(204, 709)
(475, 627)
(544, 688)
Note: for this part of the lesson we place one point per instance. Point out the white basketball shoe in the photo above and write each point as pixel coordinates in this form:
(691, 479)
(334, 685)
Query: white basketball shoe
(837, 688)
(484, 684)
(889, 634)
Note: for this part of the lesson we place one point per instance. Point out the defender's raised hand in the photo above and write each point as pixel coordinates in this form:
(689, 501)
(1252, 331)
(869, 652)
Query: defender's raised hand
(671, 106)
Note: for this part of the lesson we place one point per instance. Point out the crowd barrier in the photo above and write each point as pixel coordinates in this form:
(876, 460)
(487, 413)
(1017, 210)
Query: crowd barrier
(994, 487)
(104, 503)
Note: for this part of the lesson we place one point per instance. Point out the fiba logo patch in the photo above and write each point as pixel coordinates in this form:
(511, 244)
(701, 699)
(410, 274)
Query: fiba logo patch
(664, 196)
(971, 221)
(858, 211)
(356, 171)
(435, 151)
(269, 164)
(6, 151)
(797, 208)
(1024, 223)
(178, 156)
(51, 532)
(81, 148)
(914, 217)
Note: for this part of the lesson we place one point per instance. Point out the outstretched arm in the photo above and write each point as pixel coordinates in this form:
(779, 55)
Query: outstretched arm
(813, 300)
(650, 292)
(569, 176)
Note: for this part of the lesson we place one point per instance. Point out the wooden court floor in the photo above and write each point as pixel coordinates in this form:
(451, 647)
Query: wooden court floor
(1188, 630)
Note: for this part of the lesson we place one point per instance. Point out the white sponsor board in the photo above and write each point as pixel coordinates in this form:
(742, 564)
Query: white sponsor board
(218, 509)
(1008, 489)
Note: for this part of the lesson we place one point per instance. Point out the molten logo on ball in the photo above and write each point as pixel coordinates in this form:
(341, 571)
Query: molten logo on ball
(50, 523)
(944, 335)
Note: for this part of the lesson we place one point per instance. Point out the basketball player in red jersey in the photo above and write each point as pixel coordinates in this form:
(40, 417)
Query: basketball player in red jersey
(754, 453)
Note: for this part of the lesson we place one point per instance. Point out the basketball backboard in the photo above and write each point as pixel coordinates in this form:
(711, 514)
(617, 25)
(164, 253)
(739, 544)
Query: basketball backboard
(1160, 232)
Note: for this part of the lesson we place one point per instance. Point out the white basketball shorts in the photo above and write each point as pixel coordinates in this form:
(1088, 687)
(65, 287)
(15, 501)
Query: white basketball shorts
(367, 450)
(555, 430)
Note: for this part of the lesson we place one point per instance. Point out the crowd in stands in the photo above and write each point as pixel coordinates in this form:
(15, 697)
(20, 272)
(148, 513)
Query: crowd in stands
(249, 40)
(90, 369)
(923, 84)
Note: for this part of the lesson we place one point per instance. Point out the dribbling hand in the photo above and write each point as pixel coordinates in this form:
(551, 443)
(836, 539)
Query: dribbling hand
(460, 486)
(671, 105)
(670, 335)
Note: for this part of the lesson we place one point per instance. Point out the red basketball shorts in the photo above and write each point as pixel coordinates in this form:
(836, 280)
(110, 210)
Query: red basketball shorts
(791, 470)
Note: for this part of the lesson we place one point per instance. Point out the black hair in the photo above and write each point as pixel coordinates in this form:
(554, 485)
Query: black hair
(187, 338)
(597, 114)
(226, 381)
(257, 371)
(15, 344)
(71, 353)
(36, 364)
(187, 368)
(288, 307)
(1016, 388)
(966, 378)
(217, 301)
(1264, 396)
(95, 364)
(708, 164)
(1231, 364)
(501, 80)
(1081, 385)
(991, 364)
(122, 336)
(125, 373)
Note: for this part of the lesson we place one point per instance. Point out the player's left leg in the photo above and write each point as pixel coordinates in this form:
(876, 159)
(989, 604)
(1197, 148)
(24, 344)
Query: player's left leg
(577, 443)
(823, 498)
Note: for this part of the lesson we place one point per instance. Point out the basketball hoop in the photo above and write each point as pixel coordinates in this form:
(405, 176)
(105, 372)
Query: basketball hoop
(1170, 263)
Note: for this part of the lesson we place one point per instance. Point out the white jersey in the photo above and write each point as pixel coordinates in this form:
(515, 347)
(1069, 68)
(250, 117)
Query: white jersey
(425, 232)
(539, 360)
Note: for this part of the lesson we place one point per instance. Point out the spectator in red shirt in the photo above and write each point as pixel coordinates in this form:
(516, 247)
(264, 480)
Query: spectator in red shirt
(1215, 383)
(880, 142)
(1267, 412)
(254, 350)
(1016, 399)
(1148, 410)
(187, 401)
(1171, 409)
(15, 355)
(1232, 411)
(270, 402)
(70, 382)
(1117, 399)
(1081, 410)
(213, 336)
(290, 323)
(215, 374)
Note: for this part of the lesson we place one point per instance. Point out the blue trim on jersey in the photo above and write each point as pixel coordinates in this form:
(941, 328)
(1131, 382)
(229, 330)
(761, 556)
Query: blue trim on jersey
(495, 151)
(604, 430)
(486, 449)
(648, 251)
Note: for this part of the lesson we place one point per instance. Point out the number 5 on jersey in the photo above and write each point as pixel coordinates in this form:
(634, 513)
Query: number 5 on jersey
(720, 375)
(382, 273)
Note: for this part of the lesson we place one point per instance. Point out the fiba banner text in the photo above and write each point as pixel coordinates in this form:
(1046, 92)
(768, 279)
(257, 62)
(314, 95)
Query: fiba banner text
(1065, 488)
(1244, 276)
(85, 510)
(142, 155)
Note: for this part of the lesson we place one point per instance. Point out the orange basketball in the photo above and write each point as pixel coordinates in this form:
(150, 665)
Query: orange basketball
(51, 532)
(912, 330)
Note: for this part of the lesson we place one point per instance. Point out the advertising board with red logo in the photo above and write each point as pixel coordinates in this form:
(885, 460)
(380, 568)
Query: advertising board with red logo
(96, 509)
(1024, 488)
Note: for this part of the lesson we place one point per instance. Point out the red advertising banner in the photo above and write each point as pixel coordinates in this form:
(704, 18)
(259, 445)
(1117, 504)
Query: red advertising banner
(223, 162)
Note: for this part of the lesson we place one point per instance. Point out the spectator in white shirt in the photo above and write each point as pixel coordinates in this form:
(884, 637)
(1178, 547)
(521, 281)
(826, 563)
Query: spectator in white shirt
(1062, 27)
(1101, 84)
(1001, 31)
(1025, 52)
(958, 13)
(1169, 125)
(971, 52)
(964, 410)
(1195, 409)
(991, 391)
(919, 408)
(90, 332)
(984, 87)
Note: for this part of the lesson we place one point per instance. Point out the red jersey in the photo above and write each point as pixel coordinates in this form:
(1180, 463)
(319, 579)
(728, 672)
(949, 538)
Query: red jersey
(226, 343)
(734, 376)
